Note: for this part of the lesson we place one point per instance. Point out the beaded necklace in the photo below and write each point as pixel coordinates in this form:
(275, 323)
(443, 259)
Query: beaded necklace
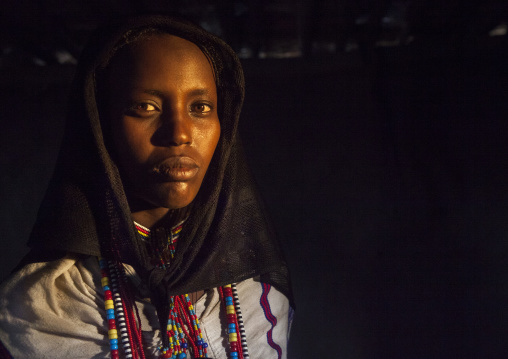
(183, 328)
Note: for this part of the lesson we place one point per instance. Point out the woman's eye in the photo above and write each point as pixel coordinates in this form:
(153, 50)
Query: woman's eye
(141, 109)
(144, 107)
(201, 108)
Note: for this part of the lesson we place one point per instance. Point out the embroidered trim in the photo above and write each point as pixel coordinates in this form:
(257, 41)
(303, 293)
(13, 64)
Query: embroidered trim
(265, 305)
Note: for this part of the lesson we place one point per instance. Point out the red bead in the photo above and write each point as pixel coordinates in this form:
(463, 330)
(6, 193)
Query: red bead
(112, 324)
(231, 318)
(114, 354)
(168, 354)
(234, 346)
(108, 295)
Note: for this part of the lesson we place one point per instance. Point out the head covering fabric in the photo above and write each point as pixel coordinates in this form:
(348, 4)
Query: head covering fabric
(227, 236)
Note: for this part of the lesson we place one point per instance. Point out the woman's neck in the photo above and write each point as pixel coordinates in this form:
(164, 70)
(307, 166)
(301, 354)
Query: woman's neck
(150, 217)
(154, 217)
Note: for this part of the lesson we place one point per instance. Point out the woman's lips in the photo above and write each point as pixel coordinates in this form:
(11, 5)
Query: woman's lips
(176, 169)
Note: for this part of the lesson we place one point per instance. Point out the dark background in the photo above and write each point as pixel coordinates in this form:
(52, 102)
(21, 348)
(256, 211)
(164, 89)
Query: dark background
(376, 131)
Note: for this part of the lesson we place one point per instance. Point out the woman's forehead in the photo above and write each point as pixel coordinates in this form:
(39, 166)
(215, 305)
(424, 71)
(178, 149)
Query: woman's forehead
(159, 43)
(159, 55)
(159, 50)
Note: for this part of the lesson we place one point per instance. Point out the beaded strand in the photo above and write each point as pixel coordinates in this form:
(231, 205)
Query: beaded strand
(133, 326)
(177, 344)
(226, 294)
(122, 314)
(239, 316)
(202, 345)
(119, 310)
(110, 309)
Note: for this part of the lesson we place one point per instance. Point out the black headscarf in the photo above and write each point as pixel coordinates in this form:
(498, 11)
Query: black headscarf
(227, 236)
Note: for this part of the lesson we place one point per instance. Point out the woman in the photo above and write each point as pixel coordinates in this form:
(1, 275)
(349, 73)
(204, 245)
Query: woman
(151, 219)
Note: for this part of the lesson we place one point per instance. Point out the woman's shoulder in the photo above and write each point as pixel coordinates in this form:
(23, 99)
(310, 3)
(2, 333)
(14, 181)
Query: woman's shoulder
(39, 280)
(44, 303)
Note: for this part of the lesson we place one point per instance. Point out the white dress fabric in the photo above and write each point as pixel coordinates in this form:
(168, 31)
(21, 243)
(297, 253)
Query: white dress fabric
(56, 310)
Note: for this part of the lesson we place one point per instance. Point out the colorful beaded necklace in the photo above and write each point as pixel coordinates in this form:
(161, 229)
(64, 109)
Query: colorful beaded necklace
(183, 329)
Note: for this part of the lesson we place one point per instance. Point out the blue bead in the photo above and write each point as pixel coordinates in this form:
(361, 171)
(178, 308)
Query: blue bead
(232, 330)
(106, 287)
(113, 341)
(199, 342)
(184, 345)
(232, 325)
(113, 346)
(182, 356)
(234, 355)
(205, 345)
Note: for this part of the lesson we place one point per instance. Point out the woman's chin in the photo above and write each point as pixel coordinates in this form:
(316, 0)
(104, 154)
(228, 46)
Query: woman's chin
(177, 195)
(173, 200)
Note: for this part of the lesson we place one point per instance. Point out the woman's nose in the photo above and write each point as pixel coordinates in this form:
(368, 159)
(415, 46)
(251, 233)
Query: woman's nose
(175, 129)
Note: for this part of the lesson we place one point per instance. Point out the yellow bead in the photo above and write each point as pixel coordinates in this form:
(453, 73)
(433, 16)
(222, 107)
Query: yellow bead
(108, 304)
(233, 337)
(230, 309)
(169, 327)
(104, 281)
(197, 320)
(191, 307)
(113, 334)
(227, 286)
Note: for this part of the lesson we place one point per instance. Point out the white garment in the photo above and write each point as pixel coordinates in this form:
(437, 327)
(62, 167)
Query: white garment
(56, 310)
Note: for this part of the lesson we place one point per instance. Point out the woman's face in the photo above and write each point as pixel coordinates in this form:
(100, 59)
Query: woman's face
(162, 106)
